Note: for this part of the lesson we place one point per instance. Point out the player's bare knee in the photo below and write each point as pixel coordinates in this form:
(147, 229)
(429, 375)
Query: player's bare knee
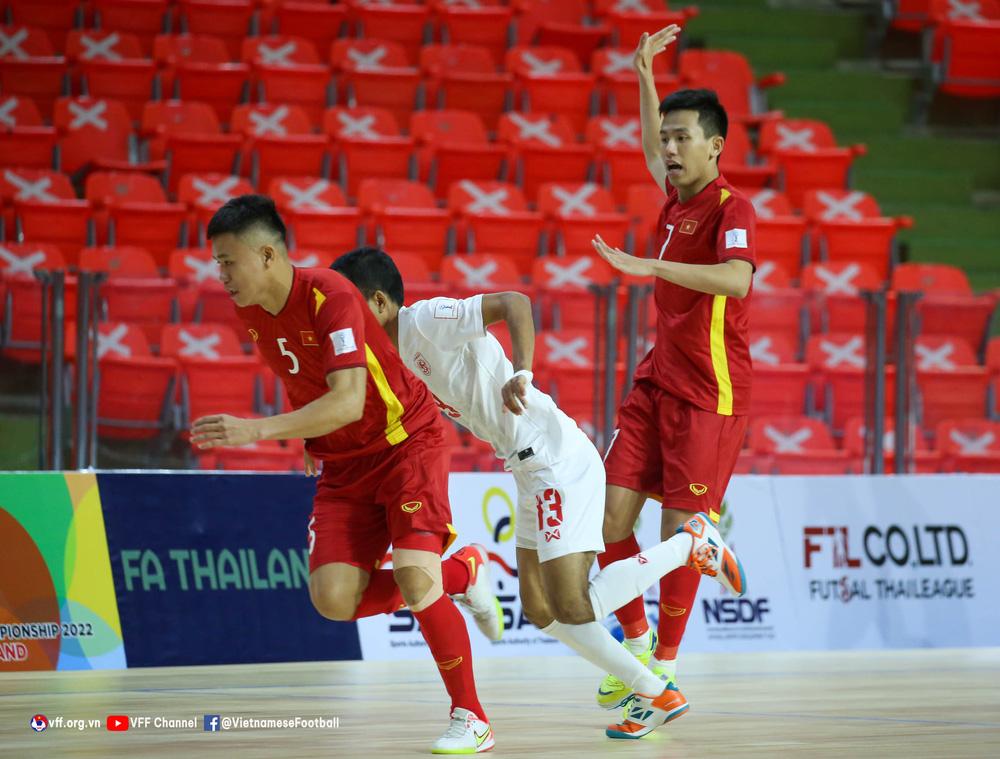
(537, 611)
(332, 603)
(416, 585)
(572, 609)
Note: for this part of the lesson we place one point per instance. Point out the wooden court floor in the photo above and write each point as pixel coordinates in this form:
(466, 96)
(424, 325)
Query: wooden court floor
(935, 703)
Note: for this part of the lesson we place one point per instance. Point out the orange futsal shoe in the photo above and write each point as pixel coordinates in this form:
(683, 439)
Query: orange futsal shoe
(479, 598)
(646, 713)
(711, 556)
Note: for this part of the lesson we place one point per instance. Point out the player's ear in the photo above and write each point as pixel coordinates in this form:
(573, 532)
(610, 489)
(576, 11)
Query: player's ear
(718, 143)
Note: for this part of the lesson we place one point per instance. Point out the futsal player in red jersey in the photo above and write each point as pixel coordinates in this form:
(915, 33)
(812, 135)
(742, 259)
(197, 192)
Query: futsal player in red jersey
(681, 426)
(379, 435)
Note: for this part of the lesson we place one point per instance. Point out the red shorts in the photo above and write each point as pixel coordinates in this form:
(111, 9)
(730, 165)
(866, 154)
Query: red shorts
(674, 450)
(399, 497)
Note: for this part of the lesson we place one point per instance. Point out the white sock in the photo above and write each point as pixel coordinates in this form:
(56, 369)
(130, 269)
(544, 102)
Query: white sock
(620, 582)
(667, 665)
(640, 645)
(595, 644)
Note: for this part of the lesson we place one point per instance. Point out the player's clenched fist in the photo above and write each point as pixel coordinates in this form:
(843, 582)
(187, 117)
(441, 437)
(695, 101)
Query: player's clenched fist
(222, 429)
(651, 45)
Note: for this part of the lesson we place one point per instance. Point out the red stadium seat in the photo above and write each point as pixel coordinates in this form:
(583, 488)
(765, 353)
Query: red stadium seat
(454, 146)
(204, 341)
(550, 80)
(948, 307)
(143, 18)
(307, 86)
(165, 117)
(121, 340)
(396, 89)
(544, 150)
(784, 240)
(106, 188)
(192, 266)
(951, 384)
(295, 193)
(21, 42)
(135, 399)
(729, 74)
(836, 289)
(493, 217)
(318, 22)
(199, 154)
(93, 133)
(564, 293)
(616, 78)
(18, 112)
(204, 194)
(779, 312)
(644, 203)
(403, 23)
(438, 59)
(368, 144)
(839, 361)
(328, 229)
(227, 19)
(769, 277)
(127, 261)
(579, 211)
(618, 144)
(158, 227)
(769, 203)
(40, 79)
(147, 302)
(221, 85)
(924, 460)
(839, 205)
(797, 445)
(303, 155)
(488, 26)
(42, 185)
(740, 165)
(66, 223)
(53, 17)
(24, 141)
(471, 273)
(226, 385)
(278, 50)
(772, 349)
(130, 82)
(171, 49)
(22, 325)
(102, 45)
(968, 65)
(970, 445)
(406, 218)
(21, 259)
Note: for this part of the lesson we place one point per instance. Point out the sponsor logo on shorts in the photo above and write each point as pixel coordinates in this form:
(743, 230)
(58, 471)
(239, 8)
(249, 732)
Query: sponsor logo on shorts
(254, 334)
(550, 536)
(642, 559)
(697, 488)
(410, 506)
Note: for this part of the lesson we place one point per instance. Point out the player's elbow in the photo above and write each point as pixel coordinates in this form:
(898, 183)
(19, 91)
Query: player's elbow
(739, 289)
(354, 407)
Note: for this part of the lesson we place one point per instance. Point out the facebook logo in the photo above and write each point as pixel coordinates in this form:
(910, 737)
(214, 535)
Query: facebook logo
(211, 723)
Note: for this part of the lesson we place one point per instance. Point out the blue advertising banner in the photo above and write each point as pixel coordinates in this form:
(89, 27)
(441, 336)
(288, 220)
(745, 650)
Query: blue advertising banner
(213, 569)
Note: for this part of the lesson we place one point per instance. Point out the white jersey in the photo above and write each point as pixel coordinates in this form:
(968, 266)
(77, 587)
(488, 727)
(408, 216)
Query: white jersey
(445, 343)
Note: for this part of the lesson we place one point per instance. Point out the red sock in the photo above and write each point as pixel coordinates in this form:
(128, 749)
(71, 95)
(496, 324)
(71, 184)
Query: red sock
(677, 592)
(382, 596)
(443, 627)
(455, 574)
(632, 616)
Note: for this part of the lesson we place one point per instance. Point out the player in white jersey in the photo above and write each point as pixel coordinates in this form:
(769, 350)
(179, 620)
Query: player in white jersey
(558, 472)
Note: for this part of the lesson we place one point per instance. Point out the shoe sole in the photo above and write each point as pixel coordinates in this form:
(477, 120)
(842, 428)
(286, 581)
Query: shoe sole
(680, 711)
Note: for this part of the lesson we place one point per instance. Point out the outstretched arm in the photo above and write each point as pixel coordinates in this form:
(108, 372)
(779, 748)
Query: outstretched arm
(343, 404)
(514, 309)
(649, 102)
(731, 278)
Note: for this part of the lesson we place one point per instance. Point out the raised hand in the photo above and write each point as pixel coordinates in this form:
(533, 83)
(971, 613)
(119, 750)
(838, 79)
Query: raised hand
(650, 45)
(622, 261)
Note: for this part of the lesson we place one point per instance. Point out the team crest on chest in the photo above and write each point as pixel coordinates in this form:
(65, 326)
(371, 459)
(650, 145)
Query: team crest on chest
(688, 226)
(308, 337)
(425, 367)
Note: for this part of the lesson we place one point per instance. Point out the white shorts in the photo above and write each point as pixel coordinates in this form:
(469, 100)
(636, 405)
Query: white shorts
(560, 505)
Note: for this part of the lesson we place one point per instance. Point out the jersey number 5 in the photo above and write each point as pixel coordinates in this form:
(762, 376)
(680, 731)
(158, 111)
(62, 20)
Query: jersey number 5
(286, 352)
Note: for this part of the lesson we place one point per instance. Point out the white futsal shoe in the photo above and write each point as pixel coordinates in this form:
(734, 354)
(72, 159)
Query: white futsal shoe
(467, 734)
(712, 557)
(479, 598)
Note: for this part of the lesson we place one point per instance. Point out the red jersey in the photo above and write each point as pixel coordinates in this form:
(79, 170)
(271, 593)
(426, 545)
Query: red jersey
(702, 349)
(325, 326)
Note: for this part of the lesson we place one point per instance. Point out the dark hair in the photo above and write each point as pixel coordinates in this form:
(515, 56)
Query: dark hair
(711, 115)
(243, 212)
(371, 269)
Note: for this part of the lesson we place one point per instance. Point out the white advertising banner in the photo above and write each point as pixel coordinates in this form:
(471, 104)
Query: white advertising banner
(483, 508)
(831, 563)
